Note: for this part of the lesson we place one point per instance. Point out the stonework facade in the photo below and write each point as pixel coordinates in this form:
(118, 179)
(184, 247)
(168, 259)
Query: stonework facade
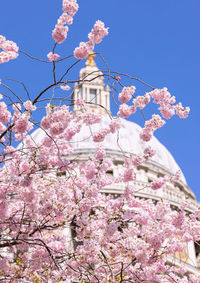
(92, 89)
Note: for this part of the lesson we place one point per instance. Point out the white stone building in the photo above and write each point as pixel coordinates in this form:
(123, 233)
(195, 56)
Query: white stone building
(91, 88)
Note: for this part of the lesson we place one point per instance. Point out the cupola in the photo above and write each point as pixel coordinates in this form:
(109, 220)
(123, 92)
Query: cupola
(91, 88)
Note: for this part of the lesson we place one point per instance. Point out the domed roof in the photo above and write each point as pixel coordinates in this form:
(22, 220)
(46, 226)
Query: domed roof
(126, 140)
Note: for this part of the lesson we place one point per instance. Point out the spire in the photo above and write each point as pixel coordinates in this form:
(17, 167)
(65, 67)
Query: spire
(90, 60)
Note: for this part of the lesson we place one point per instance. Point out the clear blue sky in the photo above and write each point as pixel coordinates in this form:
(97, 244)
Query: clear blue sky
(157, 41)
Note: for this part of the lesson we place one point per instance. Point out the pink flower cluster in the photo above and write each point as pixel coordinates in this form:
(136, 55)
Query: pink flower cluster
(150, 126)
(89, 169)
(95, 36)
(160, 96)
(91, 118)
(128, 175)
(98, 32)
(100, 135)
(57, 120)
(181, 111)
(28, 105)
(53, 56)
(137, 160)
(176, 177)
(5, 115)
(166, 101)
(158, 183)
(126, 94)
(70, 7)
(122, 228)
(179, 219)
(65, 19)
(141, 101)
(59, 33)
(125, 110)
(10, 50)
(167, 104)
(148, 153)
(112, 228)
(79, 101)
(155, 122)
(114, 125)
(65, 87)
(100, 153)
(22, 125)
(83, 50)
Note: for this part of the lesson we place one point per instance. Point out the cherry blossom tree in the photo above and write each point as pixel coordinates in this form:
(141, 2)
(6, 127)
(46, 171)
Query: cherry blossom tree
(123, 239)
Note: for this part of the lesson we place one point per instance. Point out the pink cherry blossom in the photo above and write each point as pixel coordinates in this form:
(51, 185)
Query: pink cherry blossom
(124, 110)
(5, 115)
(59, 33)
(146, 134)
(46, 122)
(149, 152)
(100, 135)
(22, 125)
(10, 50)
(29, 106)
(79, 101)
(114, 125)
(98, 32)
(112, 228)
(100, 153)
(167, 111)
(157, 184)
(65, 19)
(9, 45)
(7, 56)
(56, 128)
(181, 111)
(2, 40)
(178, 220)
(128, 175)
(137, 160)
(95, 36)
(53, 56)
(155, 123)
(126, 94)
(65, 87)
(141, 101)
(70, 7)
(82, 51)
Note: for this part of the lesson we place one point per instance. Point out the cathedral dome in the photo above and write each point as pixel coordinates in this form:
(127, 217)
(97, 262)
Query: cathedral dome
(126, 140)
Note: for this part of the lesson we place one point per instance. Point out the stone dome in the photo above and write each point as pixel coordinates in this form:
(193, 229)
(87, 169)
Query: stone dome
(126, 140)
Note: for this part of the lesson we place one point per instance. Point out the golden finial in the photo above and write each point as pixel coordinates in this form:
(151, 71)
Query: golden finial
(90, 60)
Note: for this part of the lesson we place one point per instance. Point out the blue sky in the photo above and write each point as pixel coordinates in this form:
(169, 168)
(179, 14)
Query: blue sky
(157, 41)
